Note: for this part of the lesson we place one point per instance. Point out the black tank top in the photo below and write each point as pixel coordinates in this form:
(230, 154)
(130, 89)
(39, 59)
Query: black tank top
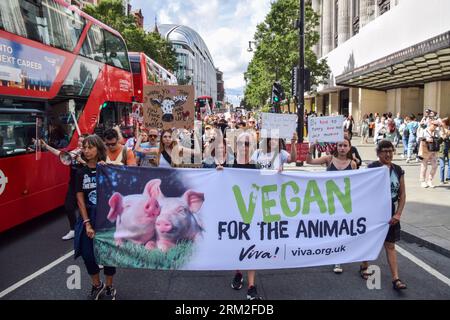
(332, 167)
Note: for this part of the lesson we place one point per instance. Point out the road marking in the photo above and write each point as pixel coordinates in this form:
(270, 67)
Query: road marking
(36, 274)
(423, 265)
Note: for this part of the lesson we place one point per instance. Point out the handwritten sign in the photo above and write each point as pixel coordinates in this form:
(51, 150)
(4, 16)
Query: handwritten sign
(278, 125)
(325, 129)
(167, 107)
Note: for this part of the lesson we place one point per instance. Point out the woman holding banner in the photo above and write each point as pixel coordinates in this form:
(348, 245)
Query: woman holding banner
(341, 159)
(385, 152)
(260, 159)
(94, 151)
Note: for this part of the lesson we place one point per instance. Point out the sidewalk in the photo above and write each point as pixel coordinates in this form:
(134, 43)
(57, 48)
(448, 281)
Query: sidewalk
(426, 217)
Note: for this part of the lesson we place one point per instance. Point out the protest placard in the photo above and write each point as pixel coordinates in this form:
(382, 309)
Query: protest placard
(167, 107)
(325, 129)
(278, 125)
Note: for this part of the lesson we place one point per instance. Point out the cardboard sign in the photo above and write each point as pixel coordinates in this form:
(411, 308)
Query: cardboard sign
(325, 129)
(278, 125)
(167, 107)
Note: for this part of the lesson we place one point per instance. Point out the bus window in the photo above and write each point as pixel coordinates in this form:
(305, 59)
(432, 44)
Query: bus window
(136, 67)
(45, 21)
(116, 51)
(60, 122)
(81, 78)
(94, 45)
(151, 73)
(116, 113)
(17, 131)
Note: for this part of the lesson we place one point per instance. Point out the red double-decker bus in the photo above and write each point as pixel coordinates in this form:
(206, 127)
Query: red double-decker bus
(204, 105)
(57, 66)
(147, 71)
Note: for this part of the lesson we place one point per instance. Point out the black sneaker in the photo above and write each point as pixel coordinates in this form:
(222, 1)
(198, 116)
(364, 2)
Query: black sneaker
(252, 294)
(96, 291)
(109, 294)
(236, 284)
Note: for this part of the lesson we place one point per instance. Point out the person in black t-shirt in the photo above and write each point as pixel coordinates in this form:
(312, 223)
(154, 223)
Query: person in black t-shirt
(385, 152)
(94, 151)
(242, 161)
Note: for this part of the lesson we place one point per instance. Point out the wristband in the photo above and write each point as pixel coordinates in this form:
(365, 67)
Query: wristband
(86, 221)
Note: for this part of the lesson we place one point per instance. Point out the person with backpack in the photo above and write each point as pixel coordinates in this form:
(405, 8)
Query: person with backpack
(117, 153)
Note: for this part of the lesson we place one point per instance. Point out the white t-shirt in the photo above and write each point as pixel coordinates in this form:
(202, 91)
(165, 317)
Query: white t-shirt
(269, 160)
(163, 162)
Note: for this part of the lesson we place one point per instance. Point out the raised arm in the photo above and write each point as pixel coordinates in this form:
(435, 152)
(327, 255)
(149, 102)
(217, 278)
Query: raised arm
(322, 160)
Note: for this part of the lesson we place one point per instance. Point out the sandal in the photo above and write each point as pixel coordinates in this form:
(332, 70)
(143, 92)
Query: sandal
(398, 284)
(363, 272)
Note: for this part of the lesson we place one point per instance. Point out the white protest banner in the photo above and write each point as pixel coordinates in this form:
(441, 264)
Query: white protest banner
(325, 129)
(277, 125)
(202, 219)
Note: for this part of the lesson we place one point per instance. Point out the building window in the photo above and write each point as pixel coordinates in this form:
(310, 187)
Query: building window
(384, 6)
(336, 17)
(355, 16)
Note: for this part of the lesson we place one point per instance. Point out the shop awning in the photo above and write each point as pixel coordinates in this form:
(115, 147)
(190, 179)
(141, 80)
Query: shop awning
(424, 62)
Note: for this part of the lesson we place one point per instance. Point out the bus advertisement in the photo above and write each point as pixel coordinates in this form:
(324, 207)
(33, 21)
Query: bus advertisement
(57, 64)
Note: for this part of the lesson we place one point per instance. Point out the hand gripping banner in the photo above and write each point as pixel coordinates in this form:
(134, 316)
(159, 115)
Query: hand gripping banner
(204, 219)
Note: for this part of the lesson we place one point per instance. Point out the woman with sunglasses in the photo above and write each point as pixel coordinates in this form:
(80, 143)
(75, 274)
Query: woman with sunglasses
(341, 159)
(245, 144)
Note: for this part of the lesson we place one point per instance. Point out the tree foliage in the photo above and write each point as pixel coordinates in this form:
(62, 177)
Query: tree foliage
(277, 51)
(111, 13)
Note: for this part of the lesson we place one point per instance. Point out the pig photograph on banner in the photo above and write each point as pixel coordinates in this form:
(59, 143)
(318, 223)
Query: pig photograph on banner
(151, 222)
(168, 107)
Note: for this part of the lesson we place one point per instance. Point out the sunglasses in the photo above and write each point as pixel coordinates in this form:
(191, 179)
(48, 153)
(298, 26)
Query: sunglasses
(111, 144)
(153, 136)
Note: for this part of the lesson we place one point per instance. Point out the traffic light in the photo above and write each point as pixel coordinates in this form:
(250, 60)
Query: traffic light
(277, 92)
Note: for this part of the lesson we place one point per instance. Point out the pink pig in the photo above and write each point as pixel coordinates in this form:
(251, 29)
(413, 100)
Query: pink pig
(135, 216)
(176, 221)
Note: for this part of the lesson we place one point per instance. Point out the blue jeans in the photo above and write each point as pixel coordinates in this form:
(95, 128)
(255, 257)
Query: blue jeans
(405, 146)
(411, 145)
(442, 161)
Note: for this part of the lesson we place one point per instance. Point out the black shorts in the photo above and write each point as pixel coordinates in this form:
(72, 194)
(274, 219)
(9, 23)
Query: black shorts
(393, 234)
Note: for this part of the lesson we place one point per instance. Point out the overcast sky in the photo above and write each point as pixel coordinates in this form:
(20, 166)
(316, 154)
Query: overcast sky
(226, 26)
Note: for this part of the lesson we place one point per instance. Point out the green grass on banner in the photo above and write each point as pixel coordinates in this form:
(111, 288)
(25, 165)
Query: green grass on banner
(131, 255)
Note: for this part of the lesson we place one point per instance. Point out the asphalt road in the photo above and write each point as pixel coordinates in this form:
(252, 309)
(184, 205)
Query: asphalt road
(35, 245)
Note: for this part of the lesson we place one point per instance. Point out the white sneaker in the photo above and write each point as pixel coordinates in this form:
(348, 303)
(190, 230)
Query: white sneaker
(408, 160)
(337, 268)
(100, 266)
(430, 184)
(69, 235)
(423, 184)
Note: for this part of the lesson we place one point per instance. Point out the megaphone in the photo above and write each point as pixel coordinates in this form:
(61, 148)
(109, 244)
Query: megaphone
(66, 157)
